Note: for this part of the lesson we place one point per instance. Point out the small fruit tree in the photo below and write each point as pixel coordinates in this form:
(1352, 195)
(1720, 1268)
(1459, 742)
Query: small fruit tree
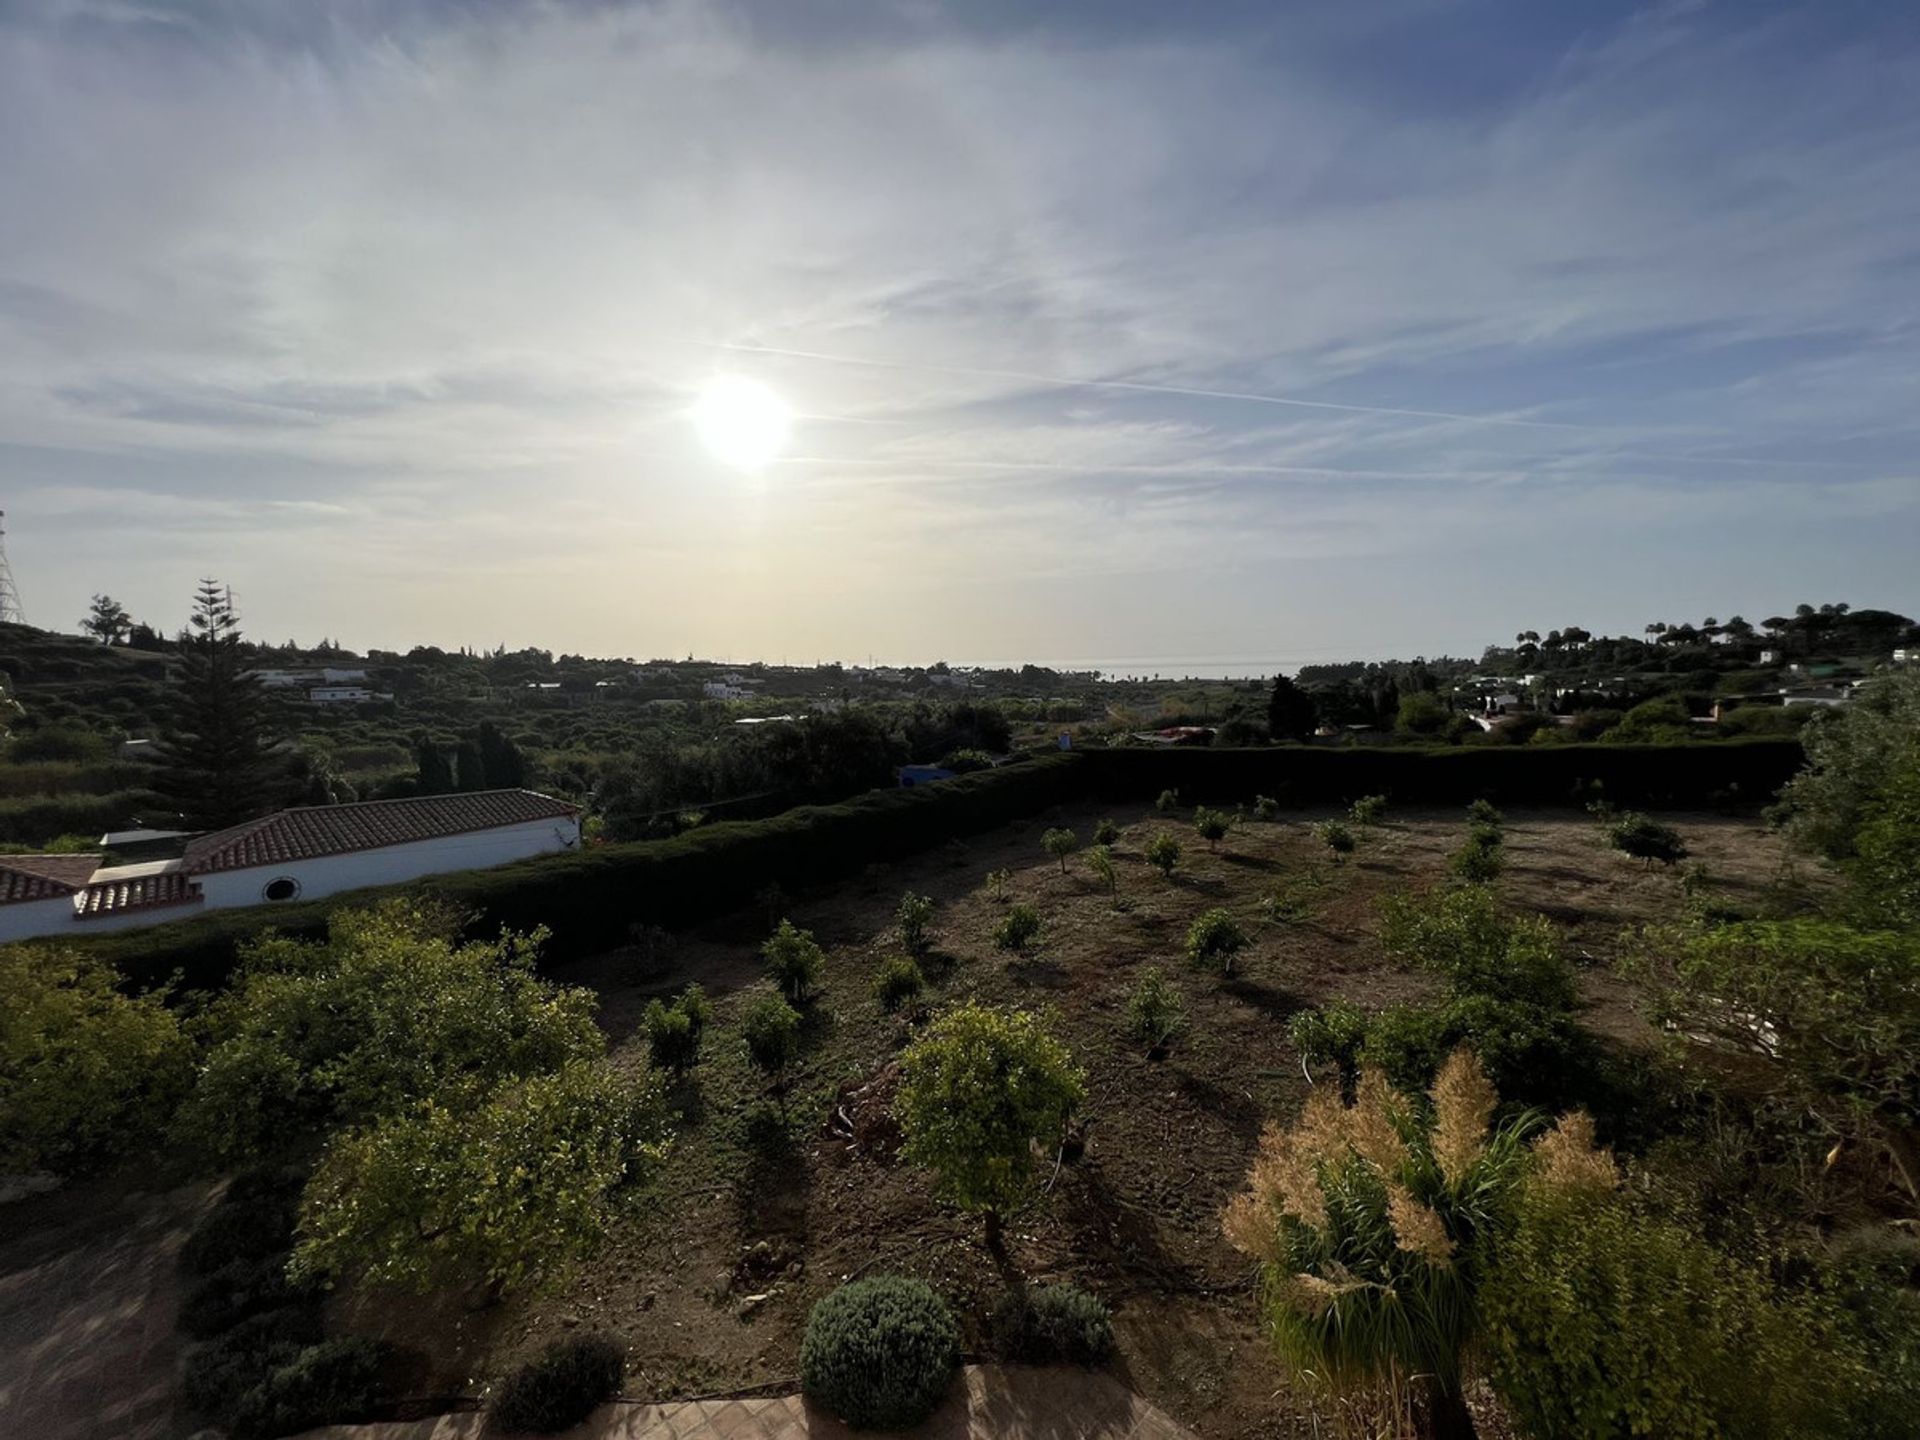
(978, 1092)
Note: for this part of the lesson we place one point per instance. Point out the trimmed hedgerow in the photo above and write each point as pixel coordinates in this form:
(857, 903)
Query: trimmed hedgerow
(333, 1383)
(254, 1219)
(218, 1375)
(239, 1289)
(1052, 1325)
(560, 1386)
(879, 1353)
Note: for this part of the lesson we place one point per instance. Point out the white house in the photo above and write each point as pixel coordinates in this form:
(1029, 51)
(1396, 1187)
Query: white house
(303, 854)
(342, 695)
(1908, 655)
(724, 690)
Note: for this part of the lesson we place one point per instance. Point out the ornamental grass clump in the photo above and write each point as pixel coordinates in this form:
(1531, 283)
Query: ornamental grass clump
(1373, 1223)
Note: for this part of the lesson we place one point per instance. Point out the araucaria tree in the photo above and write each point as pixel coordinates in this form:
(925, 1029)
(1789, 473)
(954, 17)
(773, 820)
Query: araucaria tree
(978, 1092)
(107, 621)
(217, 767)
(1374, 1224)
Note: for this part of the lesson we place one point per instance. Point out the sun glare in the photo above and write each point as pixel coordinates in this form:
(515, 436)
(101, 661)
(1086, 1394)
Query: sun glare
(741, 421)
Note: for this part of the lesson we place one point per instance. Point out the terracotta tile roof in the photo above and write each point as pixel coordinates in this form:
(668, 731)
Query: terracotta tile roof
(43, 877)
(317, 830)
(140, 892)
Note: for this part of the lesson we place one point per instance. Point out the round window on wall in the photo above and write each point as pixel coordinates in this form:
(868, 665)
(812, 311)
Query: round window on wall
(284, 888)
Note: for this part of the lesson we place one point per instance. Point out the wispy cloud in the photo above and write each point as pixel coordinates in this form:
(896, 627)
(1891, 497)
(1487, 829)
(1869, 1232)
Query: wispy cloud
(398, 310)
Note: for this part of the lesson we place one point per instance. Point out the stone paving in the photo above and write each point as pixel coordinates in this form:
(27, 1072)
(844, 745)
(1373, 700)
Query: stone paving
(990, 1404)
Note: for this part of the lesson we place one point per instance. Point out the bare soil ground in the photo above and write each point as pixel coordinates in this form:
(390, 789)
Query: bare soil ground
(766, 1207)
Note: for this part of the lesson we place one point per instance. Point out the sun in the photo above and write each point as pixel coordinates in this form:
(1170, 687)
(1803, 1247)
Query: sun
(741, 421)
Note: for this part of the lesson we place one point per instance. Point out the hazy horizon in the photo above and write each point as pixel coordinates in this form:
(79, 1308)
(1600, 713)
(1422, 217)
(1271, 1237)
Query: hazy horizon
(1110, 330)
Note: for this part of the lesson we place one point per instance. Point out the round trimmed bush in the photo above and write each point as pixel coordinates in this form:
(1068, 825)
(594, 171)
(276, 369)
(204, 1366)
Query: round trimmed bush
(1052, 1325)
(879, 1353)
(336, 1382)
(560, 1386)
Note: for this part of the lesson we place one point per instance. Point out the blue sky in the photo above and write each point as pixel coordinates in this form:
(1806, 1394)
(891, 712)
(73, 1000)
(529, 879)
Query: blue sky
(1119, 330)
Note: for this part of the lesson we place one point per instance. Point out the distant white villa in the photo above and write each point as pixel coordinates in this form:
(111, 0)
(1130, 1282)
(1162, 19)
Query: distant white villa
(302, 854)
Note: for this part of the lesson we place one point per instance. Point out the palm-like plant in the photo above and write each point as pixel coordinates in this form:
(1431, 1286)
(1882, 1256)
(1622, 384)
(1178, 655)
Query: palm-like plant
(1373, 1224)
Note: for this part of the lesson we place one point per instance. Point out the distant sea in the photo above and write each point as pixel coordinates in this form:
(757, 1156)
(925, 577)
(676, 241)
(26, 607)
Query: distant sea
(1151, 667)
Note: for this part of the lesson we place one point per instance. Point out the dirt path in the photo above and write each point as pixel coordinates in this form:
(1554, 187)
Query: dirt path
(88, 1296)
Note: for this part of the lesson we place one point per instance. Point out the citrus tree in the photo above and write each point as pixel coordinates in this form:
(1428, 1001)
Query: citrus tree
(978, 1092)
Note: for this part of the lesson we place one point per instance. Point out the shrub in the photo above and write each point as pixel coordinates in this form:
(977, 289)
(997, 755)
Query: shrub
(336, 1382)
(674, 1033)
(1462, 935)
(880, 1352)
(1100, 862)
(1060, 843)
(237, 1290)
(1018, 928)
(215, 1377)
(1336, 837)
(1483, 812)
(1367, 809)
(897, 981)
(978, 1092)
(1372, 1223)
(1052, 1325)
(1168, 802)
(254, 1219)
(1265, 807)
(1215, 938)
(1477, 862)
(1154, 1009)
(1645, 838)
(1106, 833)
(913, 917)
(560, 1386)
(1212, 825)
(1605, 1321)
(794, 961)
(1330, 1035)
(771, 1029)
(997, 884)
(1163, 853)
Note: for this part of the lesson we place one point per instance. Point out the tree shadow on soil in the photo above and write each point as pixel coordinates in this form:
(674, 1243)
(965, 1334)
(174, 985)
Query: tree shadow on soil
(1235, 1108)
(770, 1192)
(1116, 1234)
(1272, 1001)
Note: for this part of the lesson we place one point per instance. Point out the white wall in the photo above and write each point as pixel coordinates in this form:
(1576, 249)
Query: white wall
(331, 874)
(30, 918)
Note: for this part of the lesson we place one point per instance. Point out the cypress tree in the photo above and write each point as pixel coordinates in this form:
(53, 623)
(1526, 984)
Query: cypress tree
(217, 768)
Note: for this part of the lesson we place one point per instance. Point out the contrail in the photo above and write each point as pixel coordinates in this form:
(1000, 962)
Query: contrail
(1063, 382)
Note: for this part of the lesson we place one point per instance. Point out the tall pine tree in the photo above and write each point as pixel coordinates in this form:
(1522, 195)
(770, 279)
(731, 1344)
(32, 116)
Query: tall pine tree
(218, 769)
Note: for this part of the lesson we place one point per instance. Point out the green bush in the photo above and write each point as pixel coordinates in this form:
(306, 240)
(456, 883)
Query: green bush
(560, 1386)
(1212, 825)
(254, 1219)
(879, 1353)
(897, 981)
(1483, 812)
(1477, 862)
(674, 1031)
(217, 1376)
(1019, 927)
(1645, 838)
(1168, 802)
(1060, 843)
(1106, 833)
(771, 1029)
(1337, 838)
(1154, 1009)
(1163, 853)
(913, 917)
(239, 1289)
(1367, 809)
(1051, 1325)
(1462, 935)
(1605, 1321)
(1265, 807)
(334, 1383)
(1330, 1035)
(794, 960)
(1214, 939)
(1100, 862)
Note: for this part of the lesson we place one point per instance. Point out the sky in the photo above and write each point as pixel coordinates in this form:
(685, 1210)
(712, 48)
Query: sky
(1114, 333)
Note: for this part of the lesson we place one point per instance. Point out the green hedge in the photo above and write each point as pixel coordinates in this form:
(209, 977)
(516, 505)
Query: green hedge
(36, 820)
(1671, 776)
(592, 898)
